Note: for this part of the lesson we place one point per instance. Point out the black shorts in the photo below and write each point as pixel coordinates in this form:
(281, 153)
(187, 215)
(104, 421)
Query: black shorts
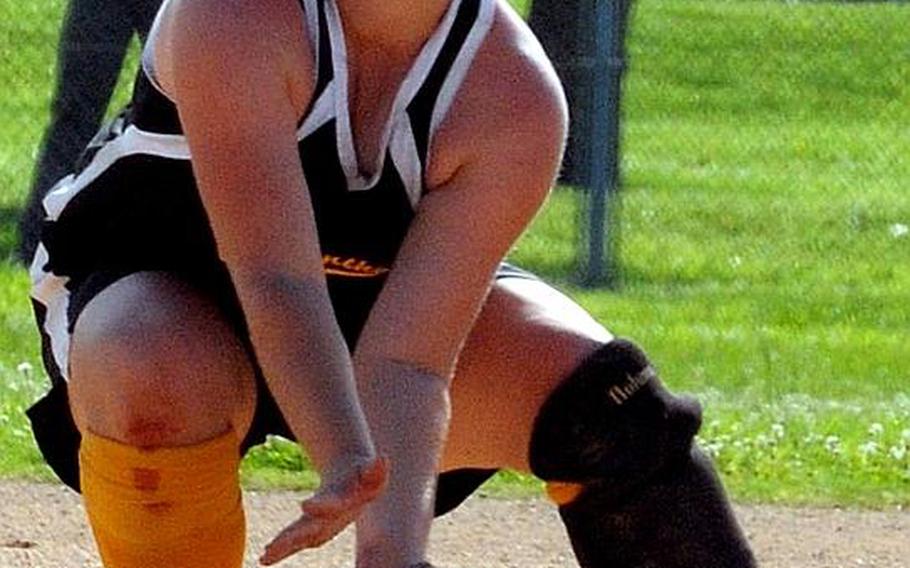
(64, 283)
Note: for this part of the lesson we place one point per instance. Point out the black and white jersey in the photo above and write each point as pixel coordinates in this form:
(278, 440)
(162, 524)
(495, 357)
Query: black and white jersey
(132, 203)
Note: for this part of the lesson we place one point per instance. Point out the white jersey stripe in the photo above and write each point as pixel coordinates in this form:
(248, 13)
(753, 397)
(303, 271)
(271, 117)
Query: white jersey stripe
(403, 150)
(147, 60)
(461, 66)
(407, 90)
(322, 112)
(50, 290)
(131, 141)
(312, 26)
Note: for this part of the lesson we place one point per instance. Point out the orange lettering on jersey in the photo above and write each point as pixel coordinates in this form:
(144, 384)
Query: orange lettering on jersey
(350, 267)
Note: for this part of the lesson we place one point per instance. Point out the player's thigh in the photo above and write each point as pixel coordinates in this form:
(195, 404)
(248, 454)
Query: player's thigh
(154, 356)
(527, 339)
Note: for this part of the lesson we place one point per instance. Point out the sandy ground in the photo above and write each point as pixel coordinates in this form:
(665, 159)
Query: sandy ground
(43, 526)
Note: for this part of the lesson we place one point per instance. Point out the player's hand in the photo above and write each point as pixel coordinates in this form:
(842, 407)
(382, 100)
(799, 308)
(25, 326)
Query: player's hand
(329, 511)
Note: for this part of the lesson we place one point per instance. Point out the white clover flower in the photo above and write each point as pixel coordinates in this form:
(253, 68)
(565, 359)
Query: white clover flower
(778, 430)
(898, 452)
(812, 438)
(898, 230)
(714, 448)
(869, 448)
(25, 368)
(763, 440)
(905, 434)
(876, 429)
(832, 445)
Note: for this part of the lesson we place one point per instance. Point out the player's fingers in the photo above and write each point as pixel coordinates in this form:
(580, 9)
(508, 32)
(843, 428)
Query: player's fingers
(323, 505)
(329, 512)
(305, 532)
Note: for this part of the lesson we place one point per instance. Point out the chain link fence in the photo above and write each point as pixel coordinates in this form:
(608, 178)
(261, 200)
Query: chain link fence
(772, 135)
(769, 101)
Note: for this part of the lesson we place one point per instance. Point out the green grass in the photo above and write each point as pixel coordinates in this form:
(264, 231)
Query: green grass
(762, 255)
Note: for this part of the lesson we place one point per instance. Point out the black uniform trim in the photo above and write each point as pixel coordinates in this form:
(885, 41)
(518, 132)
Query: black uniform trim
(151, 110)
(421, 108)
(325, 73)
(47, 354)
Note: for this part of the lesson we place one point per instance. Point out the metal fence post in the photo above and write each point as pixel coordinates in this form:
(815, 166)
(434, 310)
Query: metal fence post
(599, 121)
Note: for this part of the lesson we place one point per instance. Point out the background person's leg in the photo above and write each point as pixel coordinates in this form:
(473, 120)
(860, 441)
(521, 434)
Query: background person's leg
(93, 41)
(540, 387)
(143, 14)
(162, 391)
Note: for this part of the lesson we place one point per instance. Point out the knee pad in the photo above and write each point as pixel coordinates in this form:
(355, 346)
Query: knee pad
(611, 421)
(679, 518)
(615, 448)
(174, 507)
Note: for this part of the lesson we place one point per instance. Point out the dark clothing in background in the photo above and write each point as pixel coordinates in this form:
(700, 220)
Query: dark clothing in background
(93, 43)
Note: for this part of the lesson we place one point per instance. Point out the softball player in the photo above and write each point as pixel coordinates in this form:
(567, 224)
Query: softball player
(298, 228)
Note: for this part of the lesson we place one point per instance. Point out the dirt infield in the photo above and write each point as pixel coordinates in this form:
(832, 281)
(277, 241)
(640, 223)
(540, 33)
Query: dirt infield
(43, 526)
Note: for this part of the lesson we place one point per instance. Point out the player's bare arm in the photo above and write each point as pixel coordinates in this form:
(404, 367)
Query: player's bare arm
(492, 165)
(241, 76)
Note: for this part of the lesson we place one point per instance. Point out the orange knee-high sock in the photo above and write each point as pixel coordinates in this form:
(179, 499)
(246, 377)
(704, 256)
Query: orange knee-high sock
(564, 492)
(176, 507)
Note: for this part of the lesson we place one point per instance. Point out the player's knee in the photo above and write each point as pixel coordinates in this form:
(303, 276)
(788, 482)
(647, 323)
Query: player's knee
(120, 344)
(149, 380)
(125, 388)
(611, 421)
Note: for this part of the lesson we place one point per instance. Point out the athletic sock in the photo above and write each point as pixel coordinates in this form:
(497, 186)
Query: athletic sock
(562, 493)
(176, 507)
